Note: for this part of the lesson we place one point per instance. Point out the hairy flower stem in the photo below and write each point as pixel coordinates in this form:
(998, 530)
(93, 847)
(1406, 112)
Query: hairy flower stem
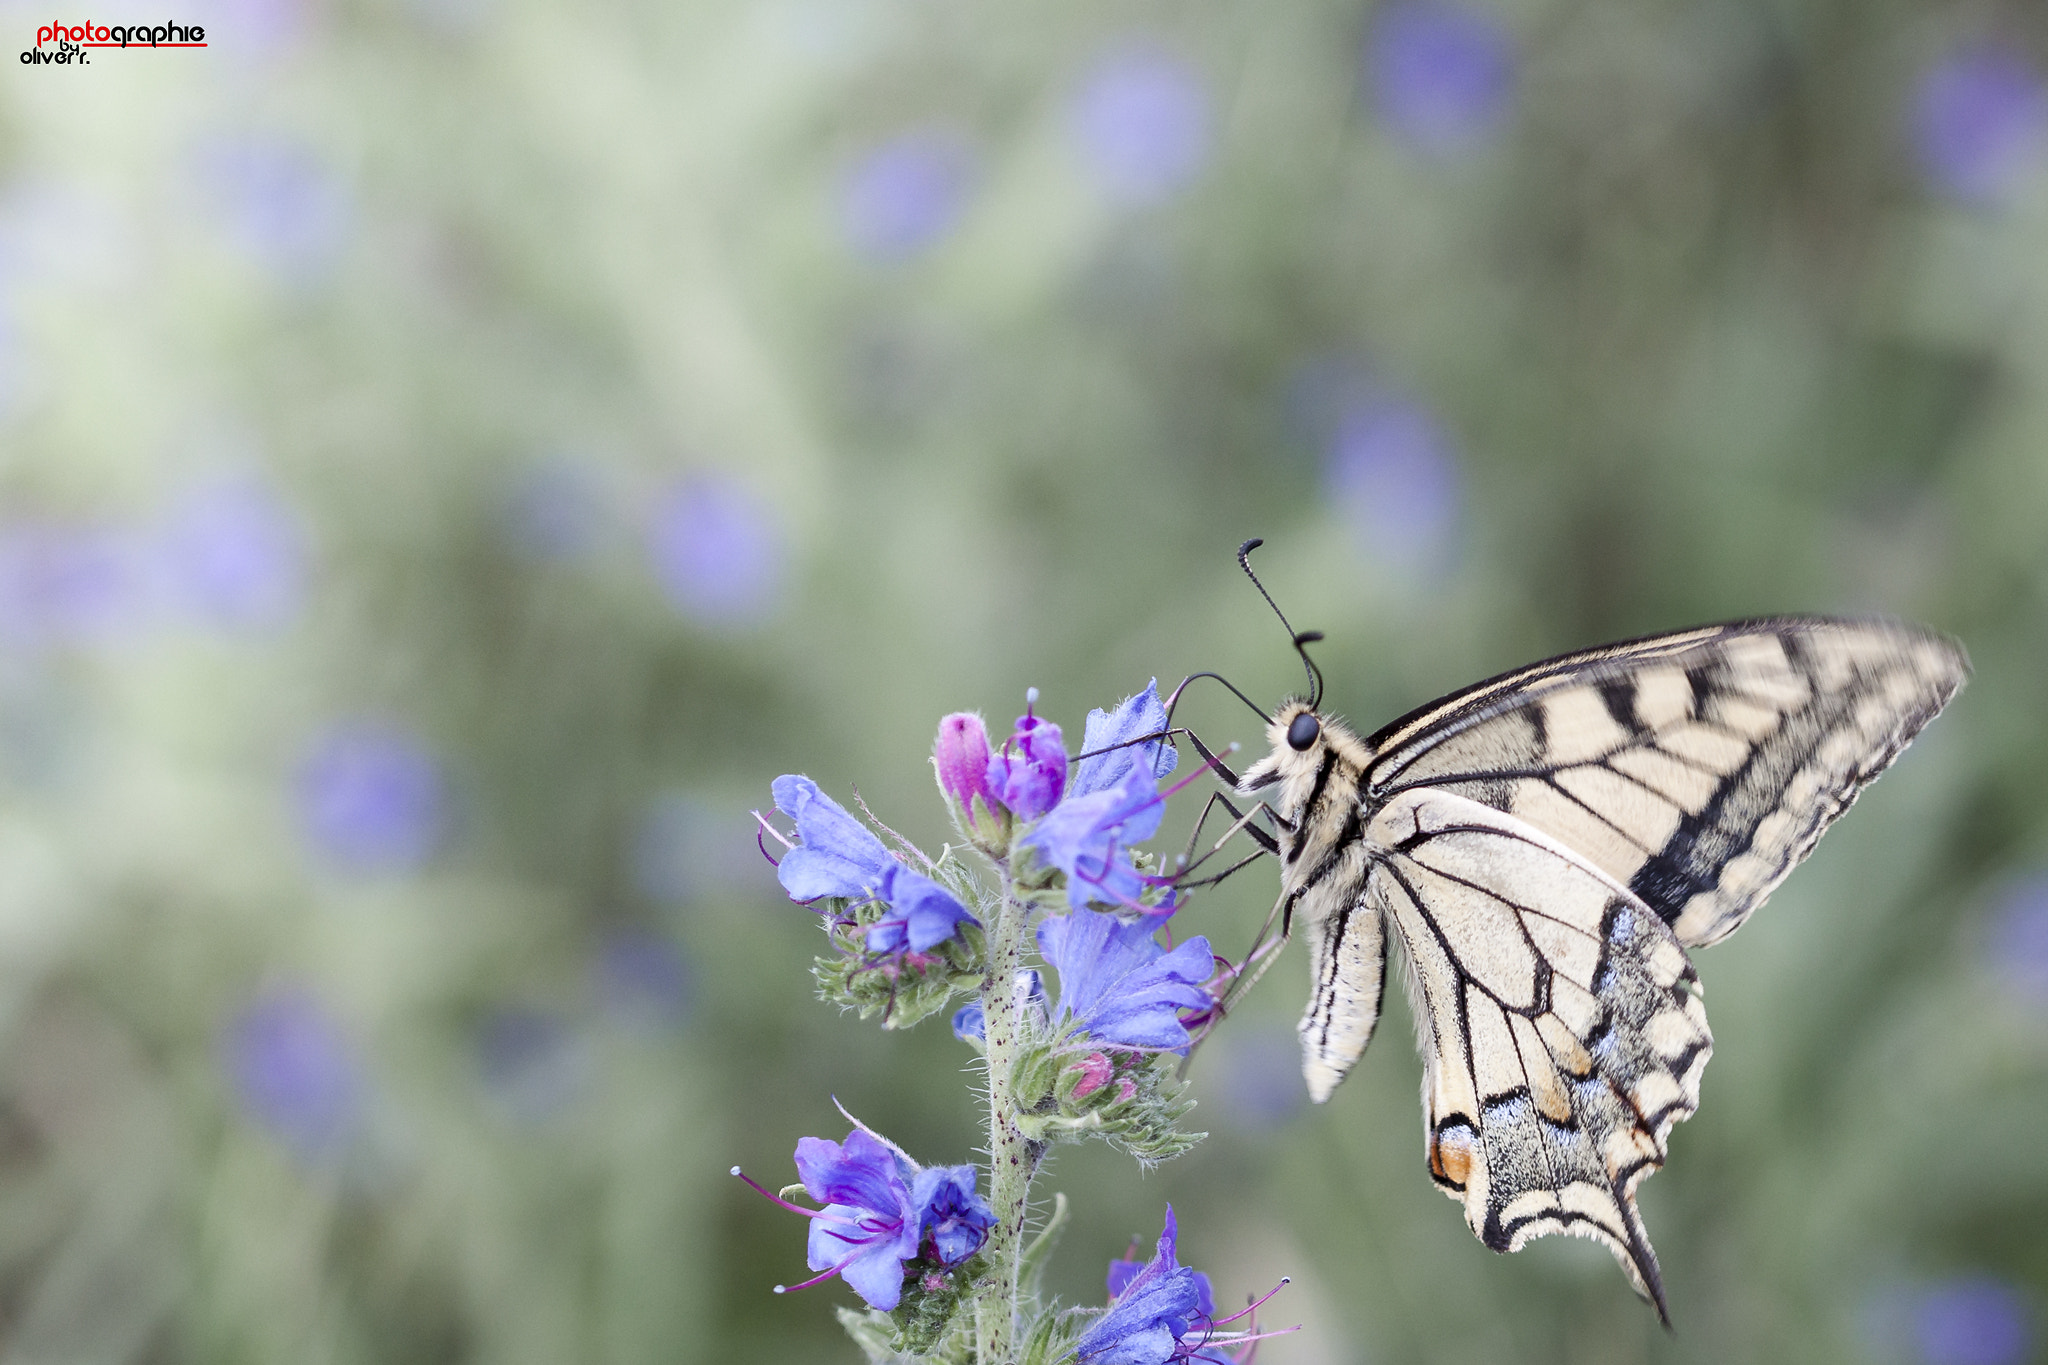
(1009, 1164)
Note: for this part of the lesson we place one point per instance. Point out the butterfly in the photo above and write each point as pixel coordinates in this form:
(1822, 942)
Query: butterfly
(1545, 847)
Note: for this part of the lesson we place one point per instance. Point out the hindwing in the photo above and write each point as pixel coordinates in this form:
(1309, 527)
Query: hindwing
(1696, 768)
(1558, 1019)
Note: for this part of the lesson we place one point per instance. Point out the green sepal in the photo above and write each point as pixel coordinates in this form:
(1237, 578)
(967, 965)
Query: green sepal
(1050, 1338)
(903, 988)
(1144, 1122)
(872, 1332)
(937, 1323)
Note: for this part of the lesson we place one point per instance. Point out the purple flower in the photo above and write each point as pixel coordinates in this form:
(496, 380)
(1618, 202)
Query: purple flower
(869, 1227)
(1030, 772)
(970, 1022)
(1117, 981)
(1085, 837)
(2018, 947)
(1980, 121)
(840, 858)
(904, 195)
(922, 914)
(1154, 1307)
(531, 1062)
(716, 552)
(283, 207)
(952, 1220)
(75, 584)
(1977, 1320)
(641, 979)
(1142, 119)
(1108, 738)
(295, 1072)
(237, 552)
(1442, 74)
(371, 797)
(1393, 473)
(962, 759)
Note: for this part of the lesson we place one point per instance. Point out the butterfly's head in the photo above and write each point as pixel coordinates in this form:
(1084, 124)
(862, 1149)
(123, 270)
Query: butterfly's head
(1303, 739)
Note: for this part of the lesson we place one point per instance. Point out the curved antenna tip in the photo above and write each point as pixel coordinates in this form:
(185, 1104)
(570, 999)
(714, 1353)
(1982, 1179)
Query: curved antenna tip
(1307, 637)
(1254, 543)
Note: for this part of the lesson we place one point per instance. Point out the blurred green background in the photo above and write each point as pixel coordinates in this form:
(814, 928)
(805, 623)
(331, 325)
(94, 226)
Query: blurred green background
(455, 453)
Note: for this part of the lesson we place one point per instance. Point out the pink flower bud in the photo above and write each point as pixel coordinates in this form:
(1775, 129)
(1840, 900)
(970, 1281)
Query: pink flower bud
(961, 755)
(1095, 1071)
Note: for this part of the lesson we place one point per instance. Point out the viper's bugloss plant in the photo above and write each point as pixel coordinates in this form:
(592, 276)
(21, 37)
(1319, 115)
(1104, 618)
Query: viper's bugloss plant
(1051, 861)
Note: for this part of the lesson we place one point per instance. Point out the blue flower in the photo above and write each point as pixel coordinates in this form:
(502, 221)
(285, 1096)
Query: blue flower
(1029, 773)
(970, 1022)
(839, 857)
(952, 1219)
(1154, 1307)
(1119, 983)
(922, 914)
(869, 1226)
(1134, 717)
(1085, 837)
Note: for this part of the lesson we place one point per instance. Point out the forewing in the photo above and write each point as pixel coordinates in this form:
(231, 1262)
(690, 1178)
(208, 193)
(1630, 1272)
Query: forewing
(1696, 768)
(1559, 1024)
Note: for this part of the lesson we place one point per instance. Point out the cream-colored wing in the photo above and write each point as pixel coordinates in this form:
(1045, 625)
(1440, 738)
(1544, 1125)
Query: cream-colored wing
(1697, 768)
(1558, 1017)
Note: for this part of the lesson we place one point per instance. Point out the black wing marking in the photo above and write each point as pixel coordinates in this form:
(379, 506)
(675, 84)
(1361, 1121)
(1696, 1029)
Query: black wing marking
(1697, 768)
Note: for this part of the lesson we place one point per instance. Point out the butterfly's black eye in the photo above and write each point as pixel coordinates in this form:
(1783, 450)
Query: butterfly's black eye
(1303, 732)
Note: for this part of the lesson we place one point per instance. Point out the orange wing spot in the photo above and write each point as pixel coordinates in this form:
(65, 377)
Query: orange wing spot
(1450, 1157)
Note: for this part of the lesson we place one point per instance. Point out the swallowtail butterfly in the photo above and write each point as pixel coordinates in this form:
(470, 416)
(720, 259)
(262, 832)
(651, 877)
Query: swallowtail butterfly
(1545, 847)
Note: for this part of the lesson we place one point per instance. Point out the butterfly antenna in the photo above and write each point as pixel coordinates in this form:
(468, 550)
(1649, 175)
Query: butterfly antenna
(1302, 638)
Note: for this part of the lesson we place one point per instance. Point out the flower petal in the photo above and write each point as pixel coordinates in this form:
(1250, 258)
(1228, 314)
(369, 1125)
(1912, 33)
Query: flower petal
(861, 1172)
(1142, 714)
(839, 856)
(1119, 983)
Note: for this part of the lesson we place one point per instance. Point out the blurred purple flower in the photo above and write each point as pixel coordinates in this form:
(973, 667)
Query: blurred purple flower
(2017, 950)
(1980, 121)
(531, 1062)
(554, 511)
(901, 197)
(1442, 74)
(237, 552)
(1257, 1071)
(1142, 119)
(717, 552)
(641, 979)
(282, 206)
(371, 798)
(295, 1072)
(1976, 1320)
(70, 583)
(1392, 473)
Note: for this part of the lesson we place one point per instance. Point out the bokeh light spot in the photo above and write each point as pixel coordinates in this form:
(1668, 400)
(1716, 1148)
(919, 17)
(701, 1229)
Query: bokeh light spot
(717, 552)
(295, 1072)
(237, 553)
(1980, 122)
(1442, 75)
(1142, 119)
(531, 1063)
(1391, 472)
(641, 979)
(280, 204)
(902, 197)
(371, 798)
(1976, 1320)
(2016, 950)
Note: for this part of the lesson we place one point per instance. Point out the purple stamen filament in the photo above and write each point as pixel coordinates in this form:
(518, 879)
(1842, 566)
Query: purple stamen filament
(1285, 1280)
(778, 1199)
